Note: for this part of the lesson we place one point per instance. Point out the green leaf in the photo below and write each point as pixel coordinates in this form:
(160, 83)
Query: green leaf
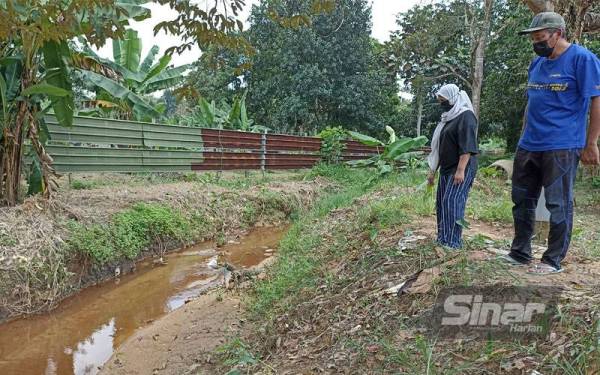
(131, 48)
(149, 60)
(363, 162)
(35, 180)
(402, 146)
(45, 89)
(4, 100)
(112, 87)
(166, 80)
(463, 223)
(158, 68)
(134, 10)
(365, 139)
(54, 59)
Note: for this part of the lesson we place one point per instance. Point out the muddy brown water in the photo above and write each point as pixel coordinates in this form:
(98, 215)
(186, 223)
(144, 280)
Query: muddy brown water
(83, 332)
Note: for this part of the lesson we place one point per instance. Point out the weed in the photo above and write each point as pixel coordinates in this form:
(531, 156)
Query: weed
(82, 185)
(128, 233)
(249, 214)
(236, 353)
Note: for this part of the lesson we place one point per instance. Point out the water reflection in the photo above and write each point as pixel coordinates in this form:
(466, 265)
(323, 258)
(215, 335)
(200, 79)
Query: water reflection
(82, 333)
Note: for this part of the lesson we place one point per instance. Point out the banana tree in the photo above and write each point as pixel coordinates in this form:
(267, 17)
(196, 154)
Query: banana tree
(137, 78)
(395, 151)
(225, 116)
(35, 61)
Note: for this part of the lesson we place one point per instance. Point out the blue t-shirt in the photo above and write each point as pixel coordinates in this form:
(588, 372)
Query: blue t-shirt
(559, 93)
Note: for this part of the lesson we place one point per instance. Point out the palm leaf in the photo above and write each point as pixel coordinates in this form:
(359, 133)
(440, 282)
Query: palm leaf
(158, 68)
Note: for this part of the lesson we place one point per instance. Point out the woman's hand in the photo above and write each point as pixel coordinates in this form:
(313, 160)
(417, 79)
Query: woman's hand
(431, 178)
(459, 176)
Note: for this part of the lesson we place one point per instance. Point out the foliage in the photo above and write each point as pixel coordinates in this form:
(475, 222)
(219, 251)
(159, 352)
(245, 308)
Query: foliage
(128, 233)
(225, 116)
(428, 54)
(332, 144)
(395, 151)
(35, 69)
(122, 94)
(319, 73)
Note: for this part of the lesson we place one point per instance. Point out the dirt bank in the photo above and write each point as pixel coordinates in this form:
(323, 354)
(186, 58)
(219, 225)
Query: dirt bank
(39, 267)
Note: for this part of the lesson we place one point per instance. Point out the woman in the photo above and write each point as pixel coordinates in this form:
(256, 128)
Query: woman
(453, 151)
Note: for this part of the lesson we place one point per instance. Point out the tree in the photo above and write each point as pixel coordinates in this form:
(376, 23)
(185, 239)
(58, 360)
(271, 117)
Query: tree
(453, 47)
(580, 15)
(34, 70)
(36, 63)
(308, 76)
(509, 55)
(217, 75)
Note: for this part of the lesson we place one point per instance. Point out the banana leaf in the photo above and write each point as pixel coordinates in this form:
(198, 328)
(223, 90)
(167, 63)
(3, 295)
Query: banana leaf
(45, 89)
(149, 60)
(165, 80)
(55, 55)
(365, 139)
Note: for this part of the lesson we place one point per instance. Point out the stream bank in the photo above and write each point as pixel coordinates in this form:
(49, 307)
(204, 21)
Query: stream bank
(41, 263)
(80, 335)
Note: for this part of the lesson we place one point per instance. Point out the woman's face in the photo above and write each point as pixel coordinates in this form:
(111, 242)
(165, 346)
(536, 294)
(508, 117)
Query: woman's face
(445, 103)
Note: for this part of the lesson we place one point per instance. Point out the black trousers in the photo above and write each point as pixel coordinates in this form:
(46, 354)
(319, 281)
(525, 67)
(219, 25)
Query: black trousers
(556, 172)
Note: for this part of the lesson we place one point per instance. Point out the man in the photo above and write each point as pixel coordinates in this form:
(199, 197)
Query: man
(563, 87)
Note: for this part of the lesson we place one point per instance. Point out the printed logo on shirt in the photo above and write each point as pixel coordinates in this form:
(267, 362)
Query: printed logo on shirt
(557, 75)
(556, 87)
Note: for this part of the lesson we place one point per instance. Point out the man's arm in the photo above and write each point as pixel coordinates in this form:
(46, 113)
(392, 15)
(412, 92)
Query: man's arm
(591, 154)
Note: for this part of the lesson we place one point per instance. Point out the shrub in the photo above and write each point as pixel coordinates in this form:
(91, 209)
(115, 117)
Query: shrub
(129, 232)
(332, 144)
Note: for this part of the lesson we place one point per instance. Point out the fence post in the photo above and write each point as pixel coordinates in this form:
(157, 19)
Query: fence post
(263, 152)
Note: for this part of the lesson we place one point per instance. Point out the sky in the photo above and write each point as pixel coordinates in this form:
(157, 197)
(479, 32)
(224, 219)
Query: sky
(384, 21)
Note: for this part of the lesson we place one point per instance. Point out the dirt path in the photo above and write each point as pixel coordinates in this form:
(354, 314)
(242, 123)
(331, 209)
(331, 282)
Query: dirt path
(172, 344)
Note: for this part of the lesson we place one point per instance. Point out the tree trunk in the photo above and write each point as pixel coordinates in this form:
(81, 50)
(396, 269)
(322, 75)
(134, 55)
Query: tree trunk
(479, 58)
(419, 116)
(11, 157)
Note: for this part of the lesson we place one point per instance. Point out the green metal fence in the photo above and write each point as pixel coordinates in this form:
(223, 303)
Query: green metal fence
(97, 145)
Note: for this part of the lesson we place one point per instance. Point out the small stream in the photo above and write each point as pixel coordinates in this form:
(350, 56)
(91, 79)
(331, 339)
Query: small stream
(83, 332)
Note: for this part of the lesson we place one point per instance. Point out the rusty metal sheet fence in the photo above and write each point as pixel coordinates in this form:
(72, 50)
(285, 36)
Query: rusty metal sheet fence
(103, 145)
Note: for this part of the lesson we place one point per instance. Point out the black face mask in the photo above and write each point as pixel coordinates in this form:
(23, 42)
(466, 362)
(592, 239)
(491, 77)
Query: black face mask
(543, 49)
(446, 106)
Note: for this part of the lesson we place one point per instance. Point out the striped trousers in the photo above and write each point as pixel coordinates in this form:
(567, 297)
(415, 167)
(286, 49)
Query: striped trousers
(450, 207)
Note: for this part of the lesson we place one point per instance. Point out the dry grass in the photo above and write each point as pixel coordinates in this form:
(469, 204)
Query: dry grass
(37, 271)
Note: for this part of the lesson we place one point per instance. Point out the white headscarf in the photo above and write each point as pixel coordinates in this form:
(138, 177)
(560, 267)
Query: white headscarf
(460, 103)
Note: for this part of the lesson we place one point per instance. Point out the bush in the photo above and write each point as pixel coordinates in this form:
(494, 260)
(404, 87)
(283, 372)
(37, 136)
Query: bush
(332, 144)
(129, 232)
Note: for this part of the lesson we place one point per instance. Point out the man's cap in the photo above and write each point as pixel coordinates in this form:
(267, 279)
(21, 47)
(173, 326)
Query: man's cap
(545, 20)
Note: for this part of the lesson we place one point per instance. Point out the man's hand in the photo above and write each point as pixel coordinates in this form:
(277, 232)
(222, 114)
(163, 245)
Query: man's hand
(591, 155)
(459, 176)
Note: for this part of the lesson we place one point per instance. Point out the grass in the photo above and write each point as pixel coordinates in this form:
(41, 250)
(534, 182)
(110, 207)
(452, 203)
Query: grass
(129, 233)
(297, 263)
(229, 180)
(358, 236)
